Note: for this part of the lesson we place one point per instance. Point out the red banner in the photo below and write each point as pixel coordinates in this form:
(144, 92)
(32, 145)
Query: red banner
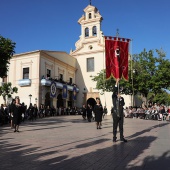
(116, 51)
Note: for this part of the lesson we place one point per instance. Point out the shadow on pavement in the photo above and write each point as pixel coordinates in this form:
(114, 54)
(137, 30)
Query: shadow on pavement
(117, 156)
(98, 154)
(147, 130)
(84, 145)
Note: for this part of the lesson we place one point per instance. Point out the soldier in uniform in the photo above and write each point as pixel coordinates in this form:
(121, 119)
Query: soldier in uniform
(118, 103)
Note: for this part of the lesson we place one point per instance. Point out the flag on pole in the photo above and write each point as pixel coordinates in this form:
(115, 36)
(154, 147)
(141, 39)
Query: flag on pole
(74, 93)
(65, 91)
(53, 89)
(116, 52)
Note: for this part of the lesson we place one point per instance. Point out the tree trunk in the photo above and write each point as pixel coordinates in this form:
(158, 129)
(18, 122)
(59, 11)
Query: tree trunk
(4, 98)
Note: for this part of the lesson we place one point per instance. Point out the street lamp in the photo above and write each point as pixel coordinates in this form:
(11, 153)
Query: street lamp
(30, 97)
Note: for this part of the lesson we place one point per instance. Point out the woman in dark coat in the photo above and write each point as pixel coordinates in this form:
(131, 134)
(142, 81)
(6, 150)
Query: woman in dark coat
(17, 112)
(98, 110)
(35, 113)
(89, 112)
(31, 112)
(11, 113)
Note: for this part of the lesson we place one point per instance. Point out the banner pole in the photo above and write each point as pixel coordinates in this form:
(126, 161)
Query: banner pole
(104, 66)
(132, 75)
(117, 35)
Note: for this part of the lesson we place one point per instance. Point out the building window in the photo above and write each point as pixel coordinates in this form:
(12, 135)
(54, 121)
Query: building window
(89, 15)
(4, 79)
(61, 77)
(48, 73)
(71, 81)
(86, 32)
(90, 64)
(94, 31)
(26, 73)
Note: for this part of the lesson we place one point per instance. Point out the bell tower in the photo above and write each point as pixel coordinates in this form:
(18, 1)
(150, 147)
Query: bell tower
(89, 52)
(90, 28)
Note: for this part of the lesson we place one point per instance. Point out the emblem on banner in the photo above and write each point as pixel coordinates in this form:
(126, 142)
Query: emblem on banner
(53, 90)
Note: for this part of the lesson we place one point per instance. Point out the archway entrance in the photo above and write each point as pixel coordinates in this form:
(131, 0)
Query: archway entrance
(47, 99)
(59, 101)
(69, 102)
(91, 101)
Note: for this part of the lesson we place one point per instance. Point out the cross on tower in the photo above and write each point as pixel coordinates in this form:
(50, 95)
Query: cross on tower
(90, 2)
(117, 32)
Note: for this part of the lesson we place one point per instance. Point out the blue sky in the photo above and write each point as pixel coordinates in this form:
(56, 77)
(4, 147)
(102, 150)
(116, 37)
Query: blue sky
(52, 24)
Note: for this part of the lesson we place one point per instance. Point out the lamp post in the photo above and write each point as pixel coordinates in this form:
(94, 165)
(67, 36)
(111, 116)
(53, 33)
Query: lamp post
(30, 97)
(133, 94)
(132, 77)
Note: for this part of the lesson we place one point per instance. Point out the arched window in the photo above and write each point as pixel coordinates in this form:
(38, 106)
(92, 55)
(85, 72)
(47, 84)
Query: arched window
(94, 31)
(86, 32)
(89, 15)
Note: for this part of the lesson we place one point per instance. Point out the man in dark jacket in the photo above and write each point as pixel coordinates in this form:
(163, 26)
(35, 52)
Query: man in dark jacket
(84, 110)
(31, 112)
(118, 116)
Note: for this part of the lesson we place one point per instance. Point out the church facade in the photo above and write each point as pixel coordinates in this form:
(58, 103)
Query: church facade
(90, 55)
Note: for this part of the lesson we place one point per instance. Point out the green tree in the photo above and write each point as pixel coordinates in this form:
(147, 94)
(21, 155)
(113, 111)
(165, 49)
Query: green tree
(6, 91)
(160, 98)
(6, 52)
(151, 72)
(108, 85)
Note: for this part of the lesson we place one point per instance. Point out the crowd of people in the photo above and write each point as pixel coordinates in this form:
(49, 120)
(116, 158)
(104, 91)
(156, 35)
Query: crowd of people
(31, 113)
(17, 112)
(152, 112)
(96, 113)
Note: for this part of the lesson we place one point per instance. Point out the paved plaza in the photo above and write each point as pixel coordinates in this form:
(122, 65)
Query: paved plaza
(71, 143)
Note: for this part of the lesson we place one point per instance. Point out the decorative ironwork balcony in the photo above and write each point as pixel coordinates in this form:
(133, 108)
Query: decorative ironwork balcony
(70, 88)
(24, 82)
(59, 85)
(45, 82)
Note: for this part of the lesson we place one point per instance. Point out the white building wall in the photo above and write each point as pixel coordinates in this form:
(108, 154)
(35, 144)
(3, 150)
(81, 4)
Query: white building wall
(38, 63)
(84, 78)
(15, 74)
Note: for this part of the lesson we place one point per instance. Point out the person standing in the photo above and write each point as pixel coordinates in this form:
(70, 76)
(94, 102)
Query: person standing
(41, 112)
(98, 110)
(11, 113)
(23, 111)
(168, 112)
(48, 111)
(2, 114)
(31, 112)
(84, 112)
(118, 116)
(104, 111)
(53, 111)
(35, 113)
(89, 112)
(17, 111)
